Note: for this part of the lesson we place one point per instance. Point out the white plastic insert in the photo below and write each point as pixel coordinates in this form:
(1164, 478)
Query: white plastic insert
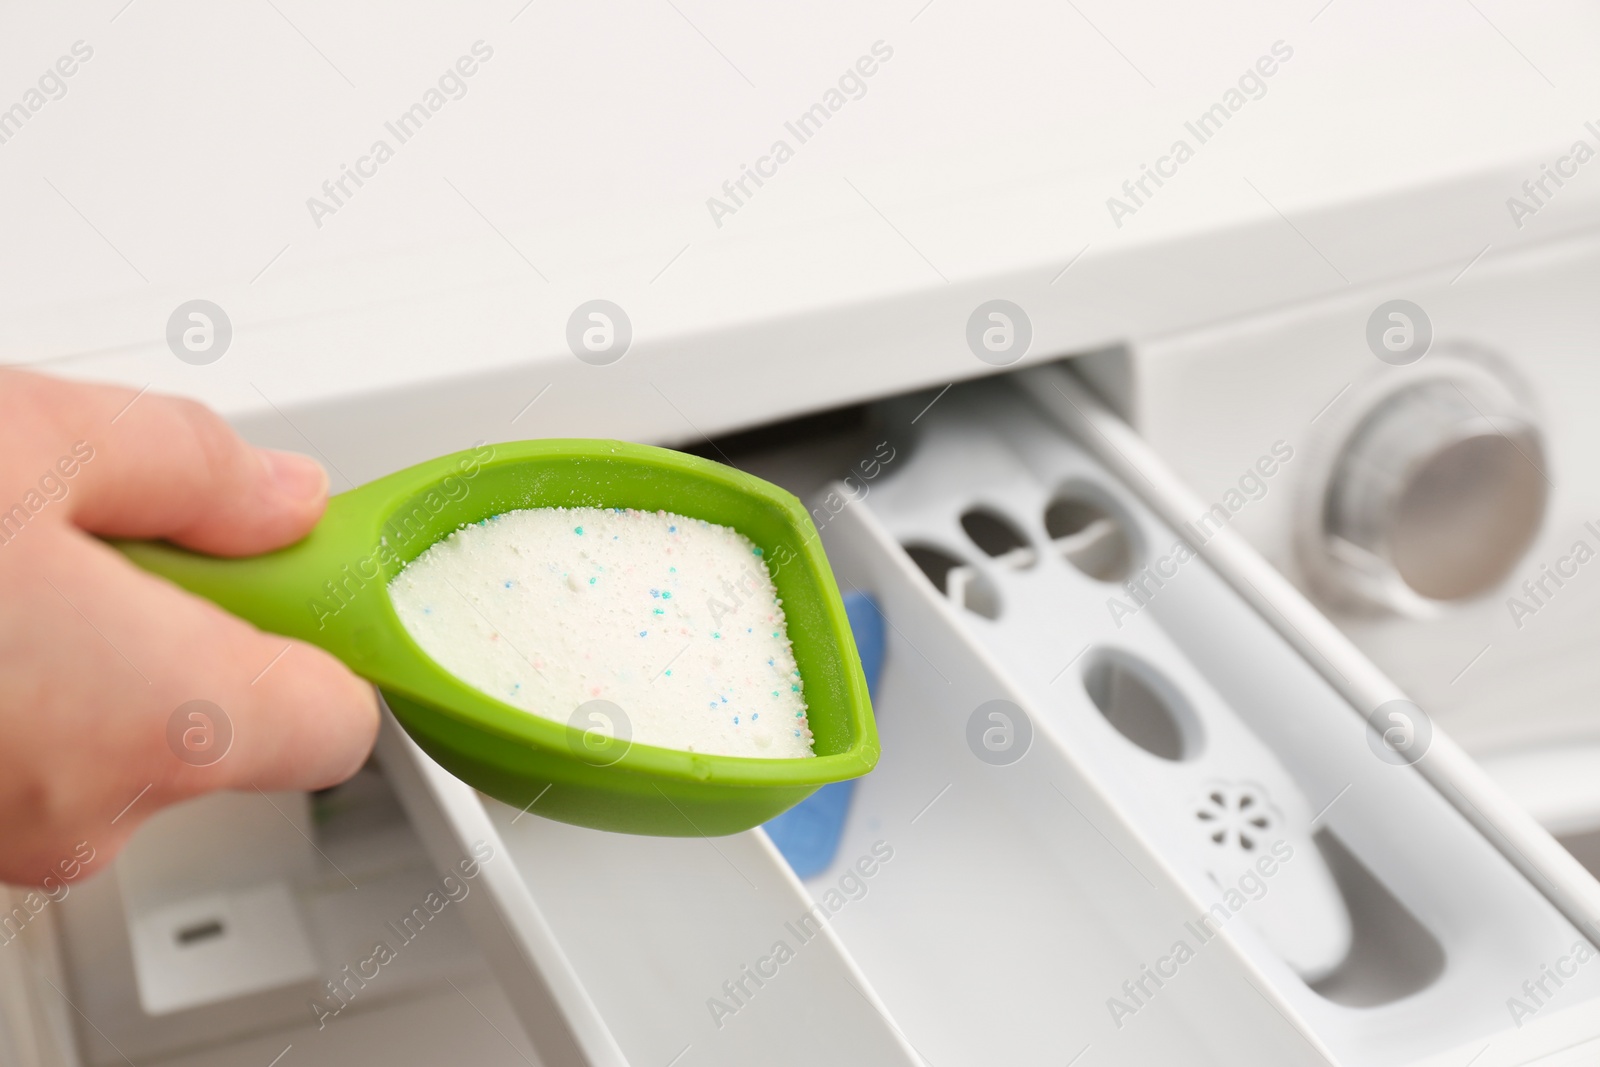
(1163, 724)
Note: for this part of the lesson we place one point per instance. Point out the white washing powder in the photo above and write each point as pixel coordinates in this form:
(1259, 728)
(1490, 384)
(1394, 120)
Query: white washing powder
(673, 620)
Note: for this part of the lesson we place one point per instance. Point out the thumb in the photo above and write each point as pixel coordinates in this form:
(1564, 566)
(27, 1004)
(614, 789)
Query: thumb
(152, 466)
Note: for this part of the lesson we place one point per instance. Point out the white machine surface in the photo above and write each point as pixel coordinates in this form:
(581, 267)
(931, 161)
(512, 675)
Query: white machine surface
(936, 156)
(579, 159)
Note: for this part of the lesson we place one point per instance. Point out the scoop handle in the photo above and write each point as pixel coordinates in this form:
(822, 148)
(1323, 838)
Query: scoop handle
(327, 589)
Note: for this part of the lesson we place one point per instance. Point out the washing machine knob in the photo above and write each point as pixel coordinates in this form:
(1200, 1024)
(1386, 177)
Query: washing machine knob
(1437, 493)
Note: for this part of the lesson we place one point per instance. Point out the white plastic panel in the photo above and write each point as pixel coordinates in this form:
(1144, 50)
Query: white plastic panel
(1023, 900)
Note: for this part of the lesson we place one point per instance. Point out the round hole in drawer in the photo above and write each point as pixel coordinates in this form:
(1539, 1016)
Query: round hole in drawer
(998, 536)
(1142, 705)
(960, 581)
(1089, 535)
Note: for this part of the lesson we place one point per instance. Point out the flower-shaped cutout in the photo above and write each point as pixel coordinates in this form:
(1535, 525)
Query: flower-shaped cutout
(1236, 816)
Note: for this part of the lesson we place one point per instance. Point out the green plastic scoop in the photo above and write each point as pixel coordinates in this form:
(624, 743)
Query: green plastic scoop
(331, 589)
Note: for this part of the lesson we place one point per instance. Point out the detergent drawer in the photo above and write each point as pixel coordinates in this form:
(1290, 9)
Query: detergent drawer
(1136, 804)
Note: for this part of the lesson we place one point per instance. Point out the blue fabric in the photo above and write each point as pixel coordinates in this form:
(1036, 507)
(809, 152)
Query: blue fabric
(808, 834)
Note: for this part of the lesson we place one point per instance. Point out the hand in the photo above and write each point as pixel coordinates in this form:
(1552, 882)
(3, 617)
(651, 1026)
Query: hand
(96, 655)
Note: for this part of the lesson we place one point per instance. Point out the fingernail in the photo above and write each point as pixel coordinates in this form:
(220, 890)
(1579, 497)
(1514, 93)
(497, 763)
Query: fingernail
(296, 476)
